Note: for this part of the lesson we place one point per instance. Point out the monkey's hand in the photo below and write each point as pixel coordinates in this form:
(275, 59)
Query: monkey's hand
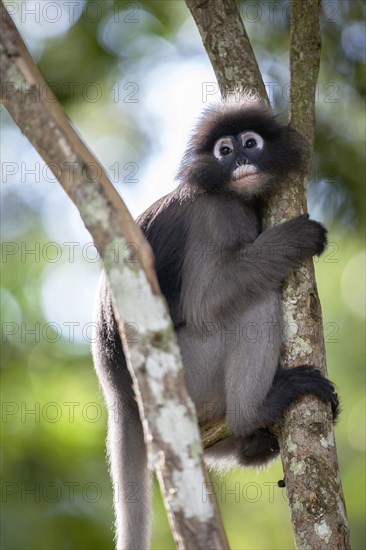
(292, 241)
(311, 236)
(282, 248)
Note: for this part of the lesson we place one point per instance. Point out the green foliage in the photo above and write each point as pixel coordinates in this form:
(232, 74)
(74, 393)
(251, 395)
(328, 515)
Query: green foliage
(56, 491)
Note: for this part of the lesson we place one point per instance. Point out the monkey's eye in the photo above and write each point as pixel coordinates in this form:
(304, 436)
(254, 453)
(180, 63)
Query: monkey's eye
(225, 150)
(250, 143)
(251, 140)
(223, 147)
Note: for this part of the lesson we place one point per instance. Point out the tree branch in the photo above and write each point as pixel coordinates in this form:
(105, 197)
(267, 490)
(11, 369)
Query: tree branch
(228, 47)
(307, 441)
(154, 361)
(308, 448)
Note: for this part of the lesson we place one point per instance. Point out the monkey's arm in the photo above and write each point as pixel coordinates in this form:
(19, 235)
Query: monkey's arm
(217, 284)
(280, 249)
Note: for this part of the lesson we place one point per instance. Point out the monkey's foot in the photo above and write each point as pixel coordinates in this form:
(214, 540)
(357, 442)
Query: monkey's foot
(258, 448)
(290, 384)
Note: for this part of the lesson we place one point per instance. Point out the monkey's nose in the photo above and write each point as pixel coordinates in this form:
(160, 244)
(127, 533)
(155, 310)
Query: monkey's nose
(241, 162)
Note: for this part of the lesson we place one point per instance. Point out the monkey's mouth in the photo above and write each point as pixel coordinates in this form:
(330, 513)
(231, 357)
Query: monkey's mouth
(244, 175)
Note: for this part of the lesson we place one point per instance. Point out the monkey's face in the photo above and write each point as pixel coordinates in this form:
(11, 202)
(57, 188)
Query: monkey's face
(241, 149)
(240, 156)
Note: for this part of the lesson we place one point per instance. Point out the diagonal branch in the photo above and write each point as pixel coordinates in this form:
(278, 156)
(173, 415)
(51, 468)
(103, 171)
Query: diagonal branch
(153, 359)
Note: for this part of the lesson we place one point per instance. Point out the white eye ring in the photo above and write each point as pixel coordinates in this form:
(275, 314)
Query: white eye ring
(246, 137)
(220, 144)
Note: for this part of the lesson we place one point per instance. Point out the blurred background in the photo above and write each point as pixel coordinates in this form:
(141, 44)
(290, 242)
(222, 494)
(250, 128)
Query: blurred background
(133, 77)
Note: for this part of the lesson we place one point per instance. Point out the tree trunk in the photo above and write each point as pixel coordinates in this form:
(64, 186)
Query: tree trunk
(307, 442)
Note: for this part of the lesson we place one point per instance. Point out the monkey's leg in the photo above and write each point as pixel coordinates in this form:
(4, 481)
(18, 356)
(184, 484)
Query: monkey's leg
(250, 368)
(125, 443)
(203, 357)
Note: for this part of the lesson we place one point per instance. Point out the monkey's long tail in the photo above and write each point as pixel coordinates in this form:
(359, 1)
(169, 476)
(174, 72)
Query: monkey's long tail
(131, 480)
(125, 443)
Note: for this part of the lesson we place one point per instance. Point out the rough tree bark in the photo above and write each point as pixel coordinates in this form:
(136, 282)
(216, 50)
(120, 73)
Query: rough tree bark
(308, 448)
(154, 360)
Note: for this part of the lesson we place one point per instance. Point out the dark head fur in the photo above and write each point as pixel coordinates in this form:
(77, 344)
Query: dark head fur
(285, 149)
